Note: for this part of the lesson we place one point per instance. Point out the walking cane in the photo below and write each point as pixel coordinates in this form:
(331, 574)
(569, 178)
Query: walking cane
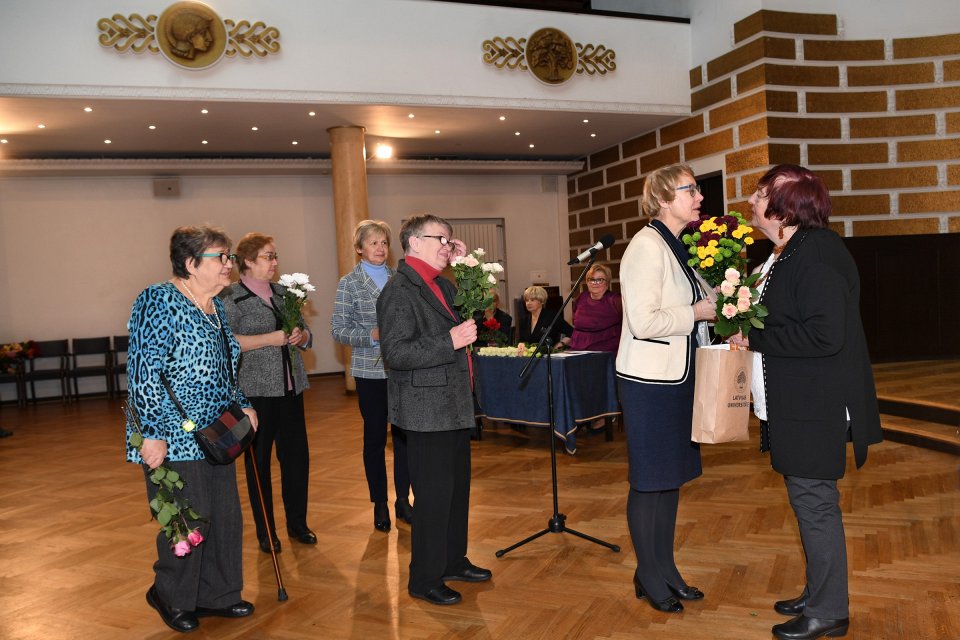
(281, 592)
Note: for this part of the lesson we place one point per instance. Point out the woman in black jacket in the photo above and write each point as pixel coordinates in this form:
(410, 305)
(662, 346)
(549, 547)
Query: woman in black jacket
(815, 384)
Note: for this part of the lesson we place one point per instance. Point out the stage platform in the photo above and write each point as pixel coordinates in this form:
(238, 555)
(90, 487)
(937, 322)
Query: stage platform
(920, 402)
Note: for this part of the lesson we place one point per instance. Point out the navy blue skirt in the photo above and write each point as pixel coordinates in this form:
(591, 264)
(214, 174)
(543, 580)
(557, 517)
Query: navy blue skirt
(657, 419)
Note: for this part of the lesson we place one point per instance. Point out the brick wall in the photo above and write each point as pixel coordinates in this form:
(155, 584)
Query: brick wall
(879, 120)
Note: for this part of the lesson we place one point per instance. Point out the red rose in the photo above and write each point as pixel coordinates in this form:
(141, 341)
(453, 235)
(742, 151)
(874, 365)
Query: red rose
(491, 324)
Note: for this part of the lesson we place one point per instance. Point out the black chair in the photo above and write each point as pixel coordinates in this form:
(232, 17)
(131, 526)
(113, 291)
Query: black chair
(15, 377)
(120, 345)
(49, 363)
(84, 362)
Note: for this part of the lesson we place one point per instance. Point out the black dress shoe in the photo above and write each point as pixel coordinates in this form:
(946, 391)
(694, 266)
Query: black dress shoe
(804, 628)
(381, 517)
(686, 593)
(404, 511)
(265, 545)
(670, 605)
(438, 595)
(177, 619)
(238, 610)
(792, 607)
(303, 536)
(471, 573)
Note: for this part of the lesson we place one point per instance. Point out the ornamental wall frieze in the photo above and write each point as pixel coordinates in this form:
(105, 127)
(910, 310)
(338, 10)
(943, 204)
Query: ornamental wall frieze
(550, 55)
(189, 34)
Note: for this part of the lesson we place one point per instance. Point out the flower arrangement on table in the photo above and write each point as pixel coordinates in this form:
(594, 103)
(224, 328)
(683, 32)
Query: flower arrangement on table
(716, 248)
(13, 354)
(297, 287)
(475, 280)
(522, 350)
(490, 333)
(170, 509)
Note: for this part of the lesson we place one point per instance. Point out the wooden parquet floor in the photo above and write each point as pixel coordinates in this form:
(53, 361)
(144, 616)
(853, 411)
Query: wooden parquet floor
(76, 542)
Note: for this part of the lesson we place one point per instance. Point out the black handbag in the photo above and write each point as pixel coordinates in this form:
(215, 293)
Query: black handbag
(230, 434)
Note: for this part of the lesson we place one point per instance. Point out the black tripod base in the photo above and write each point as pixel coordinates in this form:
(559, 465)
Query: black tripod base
(558, 524)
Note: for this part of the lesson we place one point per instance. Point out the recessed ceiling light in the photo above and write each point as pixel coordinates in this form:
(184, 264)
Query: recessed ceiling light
(531, 146)
(108, 142)
(294, 142)
(254, 128)
(3, 141)
(312, 113)
(502, 118)
(152, 127)
(410, 115)
(41, 126)
(593, 135)
(204, 111)
(203, 142)
(585, 121)
(88, 109)
(437, 131)
(516, 133)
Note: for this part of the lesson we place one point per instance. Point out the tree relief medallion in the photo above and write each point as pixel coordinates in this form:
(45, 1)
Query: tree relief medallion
(551, 56)
(191, 35)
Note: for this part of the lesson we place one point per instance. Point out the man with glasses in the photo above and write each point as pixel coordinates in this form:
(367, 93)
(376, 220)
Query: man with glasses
(423, 342)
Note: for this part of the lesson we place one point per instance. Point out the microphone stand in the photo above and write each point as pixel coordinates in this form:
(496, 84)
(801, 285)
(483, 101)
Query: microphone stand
(558, 522)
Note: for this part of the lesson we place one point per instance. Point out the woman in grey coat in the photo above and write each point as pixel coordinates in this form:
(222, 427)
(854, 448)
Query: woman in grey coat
(274, 382)
(355, 325)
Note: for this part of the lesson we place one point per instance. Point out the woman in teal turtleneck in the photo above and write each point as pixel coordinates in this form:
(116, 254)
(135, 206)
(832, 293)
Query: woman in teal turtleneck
(355, 325)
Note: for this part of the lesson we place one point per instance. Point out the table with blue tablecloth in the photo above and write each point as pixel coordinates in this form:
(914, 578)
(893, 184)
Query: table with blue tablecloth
(584, 389)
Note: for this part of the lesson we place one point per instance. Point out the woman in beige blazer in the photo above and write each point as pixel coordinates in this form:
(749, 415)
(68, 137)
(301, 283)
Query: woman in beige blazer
(663, 313)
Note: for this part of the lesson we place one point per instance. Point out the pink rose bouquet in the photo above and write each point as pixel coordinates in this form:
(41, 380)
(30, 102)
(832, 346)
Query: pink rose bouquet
(736, 309)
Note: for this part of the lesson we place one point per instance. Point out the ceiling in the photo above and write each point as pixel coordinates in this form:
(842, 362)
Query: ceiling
(288, 130)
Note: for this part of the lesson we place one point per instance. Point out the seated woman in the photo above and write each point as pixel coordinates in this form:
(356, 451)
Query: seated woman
(597, 314)
(504, 319)
(532, 329)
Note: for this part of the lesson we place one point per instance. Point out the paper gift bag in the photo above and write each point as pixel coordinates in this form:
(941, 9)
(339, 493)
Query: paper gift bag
(721, 397)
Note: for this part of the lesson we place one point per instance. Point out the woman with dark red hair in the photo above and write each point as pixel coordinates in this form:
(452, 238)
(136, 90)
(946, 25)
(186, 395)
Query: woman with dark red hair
(813, 390)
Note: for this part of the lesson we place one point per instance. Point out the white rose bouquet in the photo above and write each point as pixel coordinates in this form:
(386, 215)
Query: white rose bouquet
(297, 287)
(475, 279)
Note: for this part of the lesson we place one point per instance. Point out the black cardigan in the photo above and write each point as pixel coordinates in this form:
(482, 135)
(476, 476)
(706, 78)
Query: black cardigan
(816, 365)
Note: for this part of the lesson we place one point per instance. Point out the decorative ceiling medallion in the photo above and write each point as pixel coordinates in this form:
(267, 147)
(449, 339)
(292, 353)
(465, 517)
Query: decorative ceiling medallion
(550, 55)
(189, 34)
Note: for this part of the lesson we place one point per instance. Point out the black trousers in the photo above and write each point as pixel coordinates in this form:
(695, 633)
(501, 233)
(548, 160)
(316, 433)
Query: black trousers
(211, 575)
(440, 470)
(372, 398)
(652, 520)
(816, 503)
(281, 423)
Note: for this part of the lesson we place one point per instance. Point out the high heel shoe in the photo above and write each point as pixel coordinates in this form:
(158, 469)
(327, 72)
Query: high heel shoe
(670, 605)
(381, 517)
(686, 593)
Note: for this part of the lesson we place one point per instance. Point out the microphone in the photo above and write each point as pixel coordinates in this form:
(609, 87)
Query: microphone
(605, 242)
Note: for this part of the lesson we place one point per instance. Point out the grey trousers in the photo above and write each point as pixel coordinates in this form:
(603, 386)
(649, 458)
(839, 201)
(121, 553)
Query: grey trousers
(816, 504)
(212, 574)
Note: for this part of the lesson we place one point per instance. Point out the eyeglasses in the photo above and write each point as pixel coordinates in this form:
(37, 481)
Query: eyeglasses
(596, 280)
(224, 257)
(689, 187)
(269, 257)
(443, 240)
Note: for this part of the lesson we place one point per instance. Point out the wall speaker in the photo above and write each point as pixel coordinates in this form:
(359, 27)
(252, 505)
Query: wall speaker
(166, 187)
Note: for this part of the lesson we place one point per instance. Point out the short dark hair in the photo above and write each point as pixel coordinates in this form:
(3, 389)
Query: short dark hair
(796, 196)
(414, 227)
(189, 242)
(249, 248)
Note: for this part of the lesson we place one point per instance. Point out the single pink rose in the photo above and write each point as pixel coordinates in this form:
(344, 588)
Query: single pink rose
(743, 304)
(195, 537)
(727, 288)
(743, 292)
(181, 549)
(732, 275)
(728, 311)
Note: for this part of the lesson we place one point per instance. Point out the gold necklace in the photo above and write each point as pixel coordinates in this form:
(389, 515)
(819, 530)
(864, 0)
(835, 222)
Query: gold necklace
(216, 325)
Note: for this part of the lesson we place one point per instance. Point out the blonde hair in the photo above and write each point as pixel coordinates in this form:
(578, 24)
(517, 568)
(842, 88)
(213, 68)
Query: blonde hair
(365, 227)
(660, 185)
(600, 267)
(535, 293)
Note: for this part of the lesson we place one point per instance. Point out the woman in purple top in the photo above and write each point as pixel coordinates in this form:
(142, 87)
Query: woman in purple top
(597, 314)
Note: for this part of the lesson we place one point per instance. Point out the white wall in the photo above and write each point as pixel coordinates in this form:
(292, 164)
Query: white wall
(74, 252)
